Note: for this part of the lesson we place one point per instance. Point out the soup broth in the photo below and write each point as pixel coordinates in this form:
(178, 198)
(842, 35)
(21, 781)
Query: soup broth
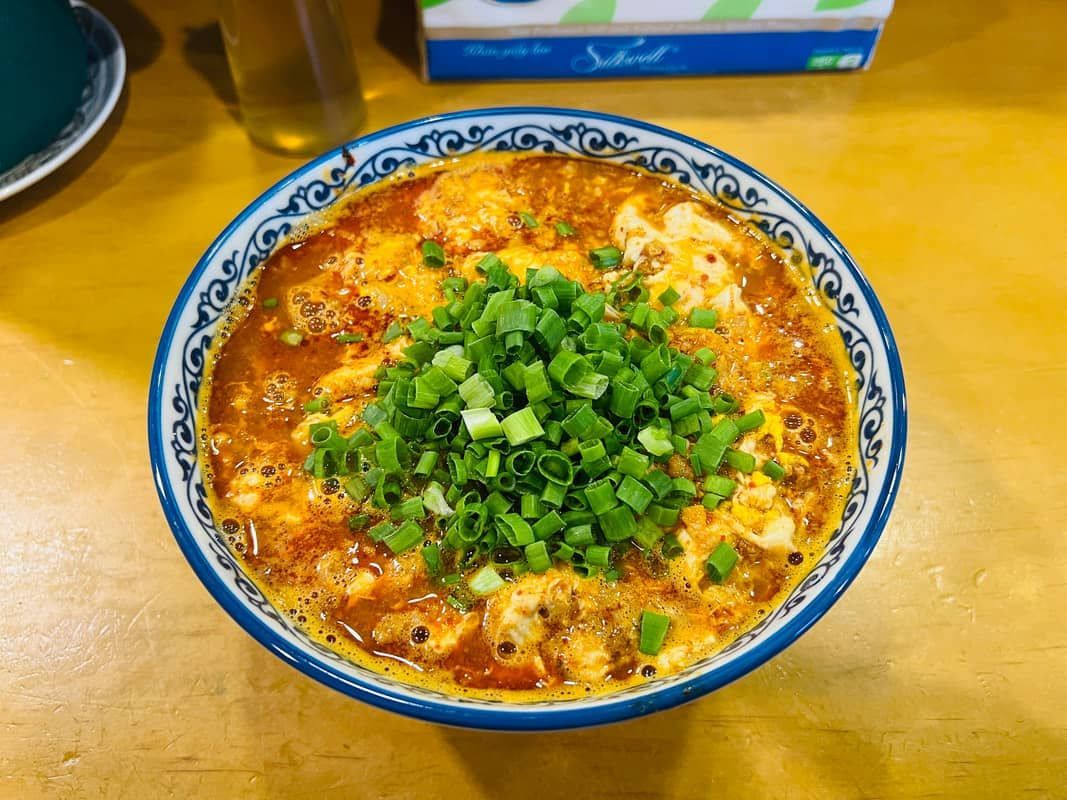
(324, 332)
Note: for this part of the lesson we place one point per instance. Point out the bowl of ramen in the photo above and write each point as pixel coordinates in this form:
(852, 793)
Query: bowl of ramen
(526, 419)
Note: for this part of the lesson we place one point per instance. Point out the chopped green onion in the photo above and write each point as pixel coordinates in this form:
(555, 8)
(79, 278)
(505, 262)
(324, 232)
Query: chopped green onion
(270, 302)
(656, 441)
(291, 337)
(671, 547)
(669, 296)
(634, 494)
(532, 421)
(740, 460)
(521, 427)
(598, 555)
(431, 555)
(579, 536)
(725, 431)
(703, 318)
(653, 632)
(481, 423)
(705, 355)
(515, 529)
(606, 257)
(348, 338)
(356, 488)
(317, 405)
(433, 255)
(477, 392)
(662, 515)
(751, 421)
(601, 496)
(358, 522)
(723, 404)
(556, 468)
(632, 463)
(565, 229)
(528, 219)
(774, 470)
(549, 524)
(720, 485)
(411, 508)
(721, 562)
(426, 464)
(380, 531)
(486, 581)
(434, 501)
(537, 556)
(405, 537)
(618, 524)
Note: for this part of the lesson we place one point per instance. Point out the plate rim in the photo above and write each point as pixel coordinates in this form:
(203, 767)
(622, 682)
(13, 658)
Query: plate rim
(94, 125)
(516, 717)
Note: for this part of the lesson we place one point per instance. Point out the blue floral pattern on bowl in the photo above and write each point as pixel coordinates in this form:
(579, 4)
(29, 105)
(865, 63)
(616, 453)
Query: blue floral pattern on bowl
(284, 208)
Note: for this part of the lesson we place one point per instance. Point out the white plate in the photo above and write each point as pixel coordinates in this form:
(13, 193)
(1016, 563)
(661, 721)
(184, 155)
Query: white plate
(103, 85)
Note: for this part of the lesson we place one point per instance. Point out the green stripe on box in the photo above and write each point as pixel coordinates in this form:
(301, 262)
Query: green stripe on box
(732, 9)
(589, 12)
(837, 5)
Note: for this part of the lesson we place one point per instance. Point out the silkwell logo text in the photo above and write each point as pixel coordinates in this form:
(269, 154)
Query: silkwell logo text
(623, 55)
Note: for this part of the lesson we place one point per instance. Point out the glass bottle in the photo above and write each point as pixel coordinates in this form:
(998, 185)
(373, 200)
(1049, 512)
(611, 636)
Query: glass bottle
(294, 73)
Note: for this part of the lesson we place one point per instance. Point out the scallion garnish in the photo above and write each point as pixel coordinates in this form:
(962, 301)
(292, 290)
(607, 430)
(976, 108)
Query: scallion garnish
(721, 562)
(669, 296)
(528, 219)
(433, 255)
(606, 257)
(523, 422)
(653, 632)
(565, 229)
(774, 470)
(291, 338)
(486, 581)
(703, 318)
(270, 302)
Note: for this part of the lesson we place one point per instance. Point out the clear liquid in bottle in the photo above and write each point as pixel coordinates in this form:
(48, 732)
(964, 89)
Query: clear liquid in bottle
(294, 73)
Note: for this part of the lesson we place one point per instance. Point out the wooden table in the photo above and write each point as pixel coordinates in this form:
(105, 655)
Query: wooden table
(941, 672)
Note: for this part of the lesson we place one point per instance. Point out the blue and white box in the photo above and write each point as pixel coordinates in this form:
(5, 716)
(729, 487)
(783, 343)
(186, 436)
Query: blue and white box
(483, 39)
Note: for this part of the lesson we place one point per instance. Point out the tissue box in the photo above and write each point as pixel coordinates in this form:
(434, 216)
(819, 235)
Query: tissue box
(485, 39)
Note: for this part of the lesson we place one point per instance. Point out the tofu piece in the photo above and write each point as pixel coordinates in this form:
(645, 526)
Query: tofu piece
(476, 203)
(446, 632)
(690, 220)
(777, 535)
(584, 656)
(690, 251)
(680, 652)
(522, 612)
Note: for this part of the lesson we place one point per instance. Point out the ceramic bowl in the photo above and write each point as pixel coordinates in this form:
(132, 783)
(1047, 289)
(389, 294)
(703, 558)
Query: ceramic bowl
(265, 223)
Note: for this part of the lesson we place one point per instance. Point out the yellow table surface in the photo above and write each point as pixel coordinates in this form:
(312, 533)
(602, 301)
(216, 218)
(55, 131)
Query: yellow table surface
(941, 673)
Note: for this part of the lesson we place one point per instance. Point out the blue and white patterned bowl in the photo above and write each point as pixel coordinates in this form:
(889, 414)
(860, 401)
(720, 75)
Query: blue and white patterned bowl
(258, 230)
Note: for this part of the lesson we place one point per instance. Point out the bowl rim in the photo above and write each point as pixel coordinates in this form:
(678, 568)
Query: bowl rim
(509, 716)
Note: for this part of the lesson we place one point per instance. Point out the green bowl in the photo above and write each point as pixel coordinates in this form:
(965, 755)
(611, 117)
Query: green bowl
(43, 67)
